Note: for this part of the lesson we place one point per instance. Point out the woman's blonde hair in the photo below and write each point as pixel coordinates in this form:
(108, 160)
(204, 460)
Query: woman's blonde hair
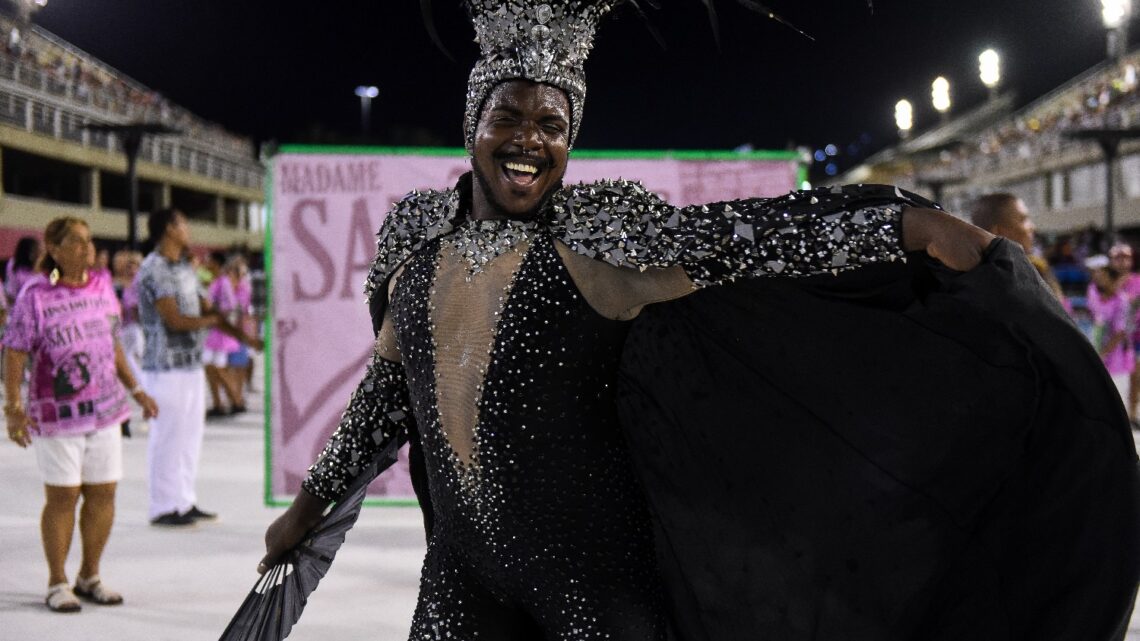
(54, 234)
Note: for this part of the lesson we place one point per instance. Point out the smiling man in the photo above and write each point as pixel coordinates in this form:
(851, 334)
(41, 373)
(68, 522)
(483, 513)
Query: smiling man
(502, 310)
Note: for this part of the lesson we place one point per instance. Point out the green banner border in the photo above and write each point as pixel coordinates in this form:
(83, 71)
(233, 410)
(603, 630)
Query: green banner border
(267, 385)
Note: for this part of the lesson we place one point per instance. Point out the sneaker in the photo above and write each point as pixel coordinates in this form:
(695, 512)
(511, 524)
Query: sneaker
(201, 515)
(216, 412)
(173, 519)
(238, 409)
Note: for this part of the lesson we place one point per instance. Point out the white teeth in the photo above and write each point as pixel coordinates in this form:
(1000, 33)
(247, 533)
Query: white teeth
(530, 169)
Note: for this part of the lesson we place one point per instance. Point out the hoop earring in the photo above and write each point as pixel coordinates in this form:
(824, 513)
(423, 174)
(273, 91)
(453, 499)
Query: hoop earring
(53, 277)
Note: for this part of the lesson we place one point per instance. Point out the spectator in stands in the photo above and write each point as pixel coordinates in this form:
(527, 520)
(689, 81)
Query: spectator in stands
(1006, 215)
(1111, 330)
(174, 318)
(74, 404)
(22, 266)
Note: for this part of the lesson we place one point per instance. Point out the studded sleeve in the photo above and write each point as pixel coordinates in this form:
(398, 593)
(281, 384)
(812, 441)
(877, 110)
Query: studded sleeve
(824, 230)
(375, 424)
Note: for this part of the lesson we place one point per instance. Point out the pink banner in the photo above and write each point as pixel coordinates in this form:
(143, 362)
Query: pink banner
(325, 211)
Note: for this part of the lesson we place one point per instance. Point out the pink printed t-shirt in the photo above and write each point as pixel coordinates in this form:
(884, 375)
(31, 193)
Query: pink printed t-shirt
(1131, 291)
(1111, 316)
(69, 333)
(233, 302)
(130, 303)
(1131, 286)
(16, 279)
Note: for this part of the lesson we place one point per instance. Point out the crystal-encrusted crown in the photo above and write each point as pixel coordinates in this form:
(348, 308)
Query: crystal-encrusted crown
(543, 41)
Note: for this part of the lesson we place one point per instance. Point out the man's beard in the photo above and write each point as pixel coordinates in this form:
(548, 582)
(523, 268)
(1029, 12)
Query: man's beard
(499, 209)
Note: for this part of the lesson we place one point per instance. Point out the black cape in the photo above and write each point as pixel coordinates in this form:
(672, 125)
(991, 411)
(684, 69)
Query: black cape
(900, 452)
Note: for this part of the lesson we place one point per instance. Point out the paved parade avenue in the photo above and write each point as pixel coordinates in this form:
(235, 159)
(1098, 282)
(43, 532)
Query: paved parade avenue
(184, 585)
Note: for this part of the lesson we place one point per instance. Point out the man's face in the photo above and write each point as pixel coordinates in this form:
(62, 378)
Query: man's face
(1121, 258)
(1104, 281)
(521, 147)
(1017, 226)
(178, 230)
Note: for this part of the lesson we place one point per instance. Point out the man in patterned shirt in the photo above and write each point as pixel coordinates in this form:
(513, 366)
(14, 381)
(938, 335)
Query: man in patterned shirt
(174, 317)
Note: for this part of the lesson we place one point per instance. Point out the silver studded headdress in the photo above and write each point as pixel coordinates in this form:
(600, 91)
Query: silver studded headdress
(544, 41)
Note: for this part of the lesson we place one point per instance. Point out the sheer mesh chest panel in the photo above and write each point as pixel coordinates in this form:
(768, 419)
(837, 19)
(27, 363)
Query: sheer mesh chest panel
(464, 311)
(619, 293)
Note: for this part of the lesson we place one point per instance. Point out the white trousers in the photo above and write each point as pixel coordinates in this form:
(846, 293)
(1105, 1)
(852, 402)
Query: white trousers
(175, 440)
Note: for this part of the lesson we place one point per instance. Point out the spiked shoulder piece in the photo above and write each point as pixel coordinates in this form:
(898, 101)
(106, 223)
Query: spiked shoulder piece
(415, 220)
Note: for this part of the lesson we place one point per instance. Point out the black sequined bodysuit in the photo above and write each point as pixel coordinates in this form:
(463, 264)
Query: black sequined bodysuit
(538, 519)
(540, 529)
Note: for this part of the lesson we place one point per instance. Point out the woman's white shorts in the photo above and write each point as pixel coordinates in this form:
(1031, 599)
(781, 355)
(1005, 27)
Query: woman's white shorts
(86, 459)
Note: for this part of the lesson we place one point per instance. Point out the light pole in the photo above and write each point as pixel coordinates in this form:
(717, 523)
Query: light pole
(989, 70)
(366, 93)
(904, 118)
(1116, 15)
(1109, 141)
(25, 9)
(940, 96)
(131, 136)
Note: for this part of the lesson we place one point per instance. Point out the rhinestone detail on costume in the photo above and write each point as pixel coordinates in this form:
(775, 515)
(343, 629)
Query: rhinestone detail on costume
(375, 421)
(548, 519)
(825, 230)
(480, 242)
(800, 234)
(551, 522)
(533, 39)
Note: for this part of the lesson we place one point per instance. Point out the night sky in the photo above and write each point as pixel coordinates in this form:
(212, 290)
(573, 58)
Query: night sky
(285, 71)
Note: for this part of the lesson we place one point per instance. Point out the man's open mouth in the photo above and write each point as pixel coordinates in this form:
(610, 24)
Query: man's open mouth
(523, 173)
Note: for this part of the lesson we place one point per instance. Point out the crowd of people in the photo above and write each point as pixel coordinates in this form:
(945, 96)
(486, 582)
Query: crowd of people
(1106, 98)
(1113, 304)
(1101, 291)
(172, 327)
(66, 73)
(82, 332)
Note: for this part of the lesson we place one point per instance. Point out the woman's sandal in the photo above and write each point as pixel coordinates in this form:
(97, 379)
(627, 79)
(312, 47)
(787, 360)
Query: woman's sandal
(60, 598)
(92, 589)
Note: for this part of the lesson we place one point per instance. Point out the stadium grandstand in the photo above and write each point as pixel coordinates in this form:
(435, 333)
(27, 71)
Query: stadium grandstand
(1029, 152)
(54, 161)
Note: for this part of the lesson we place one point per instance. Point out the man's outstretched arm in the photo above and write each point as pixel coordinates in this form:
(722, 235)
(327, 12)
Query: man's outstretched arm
(803, 233)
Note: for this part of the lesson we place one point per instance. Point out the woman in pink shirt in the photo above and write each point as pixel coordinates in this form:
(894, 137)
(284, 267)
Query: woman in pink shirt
(65, 321)
(1120, 259)
(230, 294)
(1112, 318)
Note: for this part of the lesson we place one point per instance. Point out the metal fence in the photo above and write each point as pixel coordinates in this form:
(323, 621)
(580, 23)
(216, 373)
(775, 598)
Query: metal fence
(67, 117)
